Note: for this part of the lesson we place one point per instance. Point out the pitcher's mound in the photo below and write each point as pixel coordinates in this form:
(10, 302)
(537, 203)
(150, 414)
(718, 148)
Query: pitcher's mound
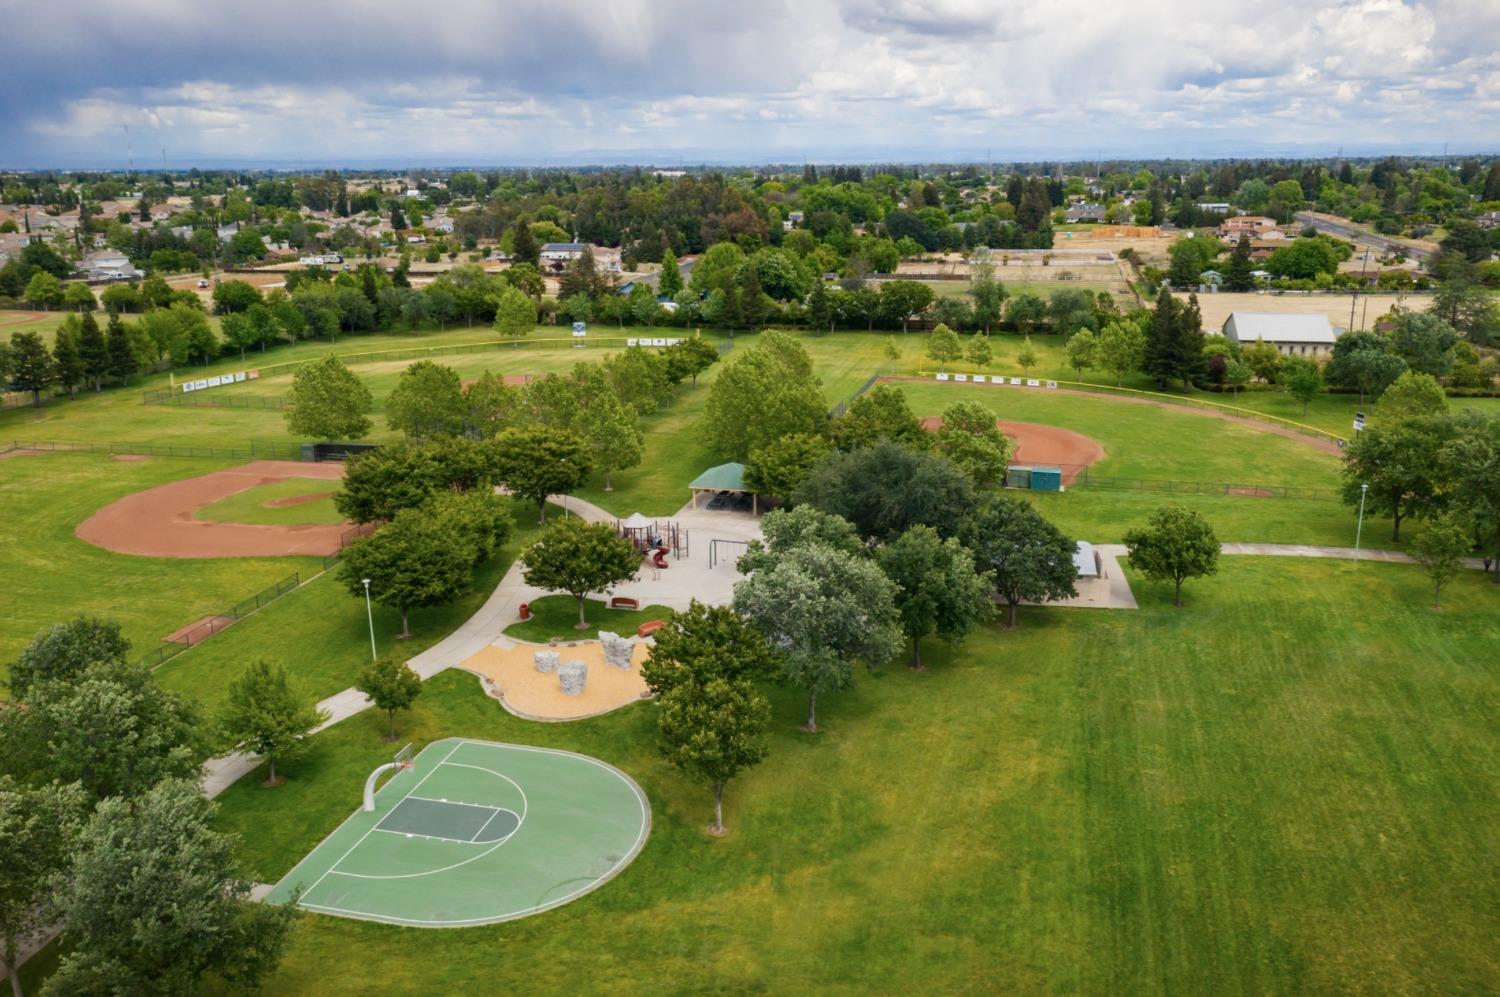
(1043, 445)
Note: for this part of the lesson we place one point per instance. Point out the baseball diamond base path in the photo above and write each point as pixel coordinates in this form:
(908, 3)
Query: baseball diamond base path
(158, 522)
(1040, 444)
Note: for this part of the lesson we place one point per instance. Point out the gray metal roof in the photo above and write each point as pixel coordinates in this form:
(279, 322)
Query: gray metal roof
(1083, 560)
(1278, 327)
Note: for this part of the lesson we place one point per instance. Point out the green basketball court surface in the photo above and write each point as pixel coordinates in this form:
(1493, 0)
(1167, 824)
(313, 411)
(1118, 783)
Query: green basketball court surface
(476, 832)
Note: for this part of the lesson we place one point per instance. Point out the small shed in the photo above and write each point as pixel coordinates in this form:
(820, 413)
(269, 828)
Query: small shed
(1018, 476)
(1046, 479)
(724, 478)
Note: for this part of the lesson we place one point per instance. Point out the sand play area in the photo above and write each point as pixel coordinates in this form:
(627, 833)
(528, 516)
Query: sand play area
(509, 673)
(158, 522)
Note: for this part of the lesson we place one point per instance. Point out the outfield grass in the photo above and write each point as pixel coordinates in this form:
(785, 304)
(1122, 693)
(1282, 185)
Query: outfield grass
(253, 505)
(1234, 797)
(320, 632)
(52, 576)
(557, 615)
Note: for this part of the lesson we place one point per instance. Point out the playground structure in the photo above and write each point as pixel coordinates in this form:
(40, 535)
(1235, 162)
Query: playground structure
(655, 539)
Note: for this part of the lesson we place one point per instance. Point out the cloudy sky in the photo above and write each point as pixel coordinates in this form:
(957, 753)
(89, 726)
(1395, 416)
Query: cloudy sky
(558, 81)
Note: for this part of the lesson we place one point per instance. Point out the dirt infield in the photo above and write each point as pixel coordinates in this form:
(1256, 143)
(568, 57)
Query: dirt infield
(1040, 444)
(158, 522)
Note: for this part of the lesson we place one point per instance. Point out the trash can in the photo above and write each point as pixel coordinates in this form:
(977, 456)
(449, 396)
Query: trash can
(525, 611)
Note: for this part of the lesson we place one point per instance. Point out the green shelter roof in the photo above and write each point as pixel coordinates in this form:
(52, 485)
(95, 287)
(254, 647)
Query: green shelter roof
(724, 478)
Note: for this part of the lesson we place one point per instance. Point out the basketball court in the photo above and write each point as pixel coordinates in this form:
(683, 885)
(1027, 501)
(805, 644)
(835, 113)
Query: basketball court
(474, 832)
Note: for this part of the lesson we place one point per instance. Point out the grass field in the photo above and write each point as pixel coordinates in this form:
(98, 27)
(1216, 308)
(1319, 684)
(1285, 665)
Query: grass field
(1234, 797)
(52, 576)
(256, 505)
(556, 615)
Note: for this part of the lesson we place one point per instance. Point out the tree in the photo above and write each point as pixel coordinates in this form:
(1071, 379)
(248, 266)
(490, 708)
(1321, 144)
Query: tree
(94, 350)
(1469, 307)
(31, 367)
(1026, 557)
(1122, 348)
(111, 729)
(43, 291)
(704, 643)
(763, 394)
(943, 345)
(265, 714)
(987, 292)
(391, 685)
(671, 275)
(780, 466)
(523, 247)
(821, 608)
(1425, 342)
(970, 437)
(639, 379)
(880, 414)
(1239, 274)
(79, 298)
(802, 526)
(328, 402)
(902, 300)
(714, 731)
(1471, 468)
(1412, 396)
(122, 359)
(1174, 340)
(536, 462)
(1027, 358)
(937, 587)
(1302, 379)
(515, 313)
(689, 358)
(1176, 544)
(1440, 549)
(1082, 351)
(68, 362)
(417, 559)
(235, 296)
(885, 489)
(428, 400)
(1025, 312)
(1236, 375)
(1263, 359)
(1400, 465)
(578, 558)
(821, 313)
(38, 828)
(613, 436)
(154, 904)
(64, 651)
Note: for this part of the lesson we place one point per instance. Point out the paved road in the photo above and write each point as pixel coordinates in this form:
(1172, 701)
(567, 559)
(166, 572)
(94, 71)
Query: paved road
(1355, 233)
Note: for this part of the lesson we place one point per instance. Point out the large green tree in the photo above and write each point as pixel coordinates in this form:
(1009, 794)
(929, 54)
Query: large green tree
(882, 413)
(154, 903)
(415, 560)
(1175, 544)
(64, 651)
(822, 608)
(938, 587)
(712, 731)
(703, 643)
(1026, 558)
(970, 437)
(328, 402)
(762, 394)
(515, 313)
(779, 467)
(1400, 465)
(576, 557)
(1122, 348)
(537, 462)
(428, 400)
(885, 489)
(266, 714)
(943, 345)
(38, 831)
(1303, 379)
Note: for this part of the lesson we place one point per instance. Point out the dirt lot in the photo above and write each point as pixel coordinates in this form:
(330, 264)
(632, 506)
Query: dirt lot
(158, 522)
(1216, 307)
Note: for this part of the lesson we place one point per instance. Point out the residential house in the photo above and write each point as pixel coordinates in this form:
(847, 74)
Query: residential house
(1488, 220)
(1246, 225)
(1292, 335)
(1087, 211)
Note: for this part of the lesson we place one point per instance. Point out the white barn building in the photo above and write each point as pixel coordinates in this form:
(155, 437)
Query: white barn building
(1292, 335)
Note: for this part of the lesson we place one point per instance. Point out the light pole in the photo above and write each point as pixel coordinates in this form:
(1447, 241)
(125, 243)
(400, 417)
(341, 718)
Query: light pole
(370, 615)
(1360, 527)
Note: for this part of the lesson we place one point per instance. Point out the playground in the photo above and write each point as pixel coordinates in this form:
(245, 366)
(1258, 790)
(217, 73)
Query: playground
(476, 832)
(162, 521)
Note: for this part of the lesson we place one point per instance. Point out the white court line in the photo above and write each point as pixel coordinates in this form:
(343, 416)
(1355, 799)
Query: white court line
(362, 837)
(492, 820)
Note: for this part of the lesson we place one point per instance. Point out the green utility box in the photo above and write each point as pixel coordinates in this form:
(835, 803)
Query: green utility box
(1046, 479)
